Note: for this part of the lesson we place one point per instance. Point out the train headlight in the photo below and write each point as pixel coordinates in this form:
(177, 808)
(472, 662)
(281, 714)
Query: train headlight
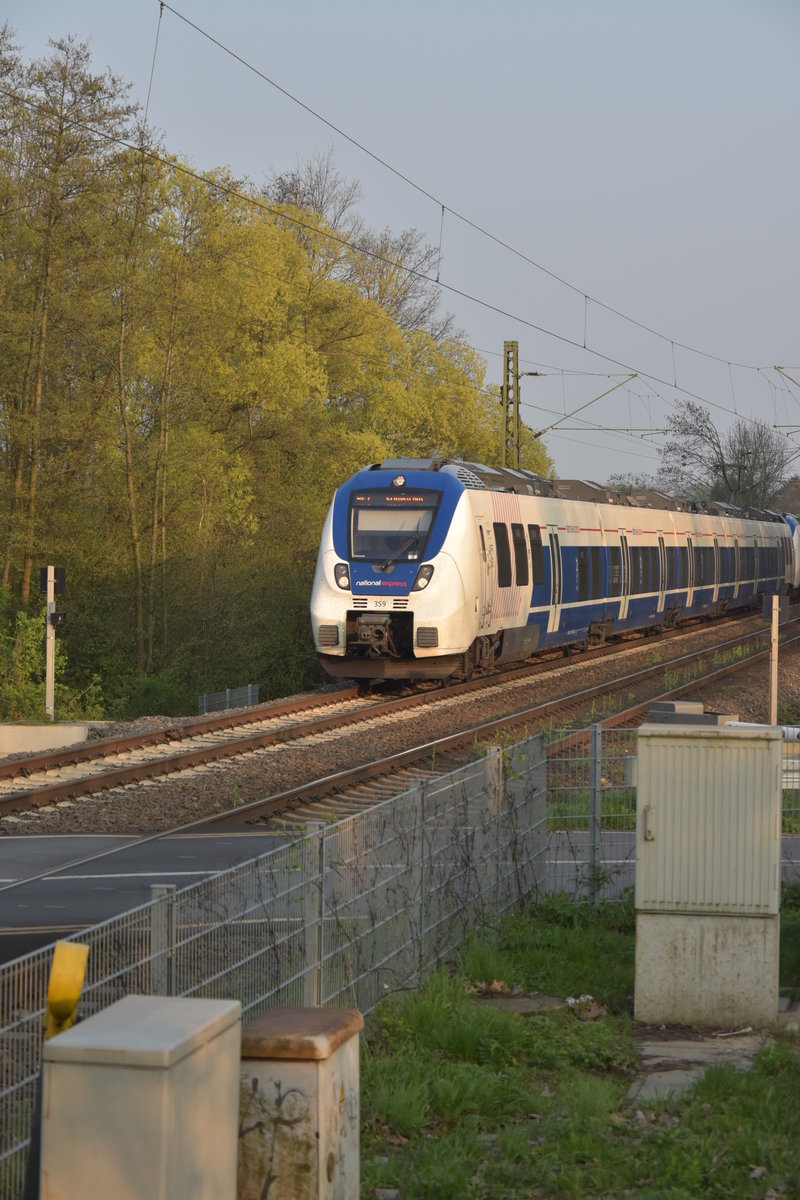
(341, 573)
(424, 575)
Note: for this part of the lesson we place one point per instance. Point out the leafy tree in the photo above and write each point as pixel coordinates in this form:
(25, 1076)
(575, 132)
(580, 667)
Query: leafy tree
(59, 116)
(23, 671)
(188, 373)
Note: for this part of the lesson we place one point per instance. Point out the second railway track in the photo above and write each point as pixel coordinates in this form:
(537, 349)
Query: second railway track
(310, 723)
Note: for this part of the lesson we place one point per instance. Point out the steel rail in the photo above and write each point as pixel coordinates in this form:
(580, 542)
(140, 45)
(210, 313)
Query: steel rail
(258, 811)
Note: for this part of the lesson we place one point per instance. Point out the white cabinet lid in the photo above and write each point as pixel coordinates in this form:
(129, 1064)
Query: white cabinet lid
(144, 1031)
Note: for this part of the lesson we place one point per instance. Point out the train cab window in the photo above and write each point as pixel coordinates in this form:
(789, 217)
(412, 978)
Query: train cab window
(537, 553)
(503, 554)
(520, 556)
(614, 571)
(391, 526)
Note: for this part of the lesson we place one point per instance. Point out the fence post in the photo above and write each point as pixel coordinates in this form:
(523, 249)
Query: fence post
(423, 791)
(496, 787)
(162, 939)
(595, 803)
(313, 901)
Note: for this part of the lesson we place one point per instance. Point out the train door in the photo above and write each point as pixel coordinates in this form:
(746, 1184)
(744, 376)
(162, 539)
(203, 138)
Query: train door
(716, 569)
(689, 573)
(484, 597)
(554, 616)
(625, 584)
(737, 567)
(662, 566)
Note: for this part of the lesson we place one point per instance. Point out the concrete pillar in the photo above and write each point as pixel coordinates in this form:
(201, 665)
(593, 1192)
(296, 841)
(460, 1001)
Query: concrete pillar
(299, 1105)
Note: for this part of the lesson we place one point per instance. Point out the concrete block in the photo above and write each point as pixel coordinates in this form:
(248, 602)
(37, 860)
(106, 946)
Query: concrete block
(694, 969)
(25, 739)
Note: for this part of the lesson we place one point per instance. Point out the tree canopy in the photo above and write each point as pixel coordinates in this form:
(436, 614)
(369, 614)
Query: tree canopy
(190, 367)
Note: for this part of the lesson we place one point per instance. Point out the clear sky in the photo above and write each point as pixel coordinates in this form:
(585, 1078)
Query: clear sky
(645, 154)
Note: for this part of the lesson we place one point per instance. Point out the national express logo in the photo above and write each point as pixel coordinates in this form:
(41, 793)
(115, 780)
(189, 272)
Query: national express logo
(380, 583)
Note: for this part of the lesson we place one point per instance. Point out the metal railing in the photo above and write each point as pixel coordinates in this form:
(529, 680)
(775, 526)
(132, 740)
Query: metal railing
(339, 915)
(239, 697)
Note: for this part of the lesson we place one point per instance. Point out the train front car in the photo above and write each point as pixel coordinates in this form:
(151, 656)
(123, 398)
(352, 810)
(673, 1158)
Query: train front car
(389, 599)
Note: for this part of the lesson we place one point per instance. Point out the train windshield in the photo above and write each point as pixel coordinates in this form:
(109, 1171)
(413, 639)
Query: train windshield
(390, 527)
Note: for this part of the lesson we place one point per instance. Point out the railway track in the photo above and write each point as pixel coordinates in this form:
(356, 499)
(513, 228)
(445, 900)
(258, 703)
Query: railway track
(43, 780)
(348, 792)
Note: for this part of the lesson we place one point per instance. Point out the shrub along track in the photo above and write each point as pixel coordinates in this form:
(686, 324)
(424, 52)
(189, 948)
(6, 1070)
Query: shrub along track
(396, 739)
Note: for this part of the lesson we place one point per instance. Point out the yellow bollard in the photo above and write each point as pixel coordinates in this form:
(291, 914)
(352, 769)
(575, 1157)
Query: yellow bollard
(64, 987)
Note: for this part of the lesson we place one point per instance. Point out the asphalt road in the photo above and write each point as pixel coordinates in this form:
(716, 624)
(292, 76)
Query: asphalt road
(77, 893)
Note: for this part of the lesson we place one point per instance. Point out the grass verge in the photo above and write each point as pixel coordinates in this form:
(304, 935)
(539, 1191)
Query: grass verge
(462, 1101)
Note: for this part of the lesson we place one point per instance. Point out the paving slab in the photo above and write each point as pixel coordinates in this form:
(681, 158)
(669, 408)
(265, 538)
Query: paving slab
(672, 1067)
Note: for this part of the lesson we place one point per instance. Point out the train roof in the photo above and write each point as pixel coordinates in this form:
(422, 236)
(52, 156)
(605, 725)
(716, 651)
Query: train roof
(475, 475)
(511, 479)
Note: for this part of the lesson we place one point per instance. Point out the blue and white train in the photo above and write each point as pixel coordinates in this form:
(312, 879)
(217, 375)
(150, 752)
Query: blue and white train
(433, 567)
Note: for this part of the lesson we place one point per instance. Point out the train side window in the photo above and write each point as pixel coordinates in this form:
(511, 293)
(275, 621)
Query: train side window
(583, 573)
(683, 567)
(503, 554)
(614, 571)
(597, 572)
(537, 553)
(672, 564)
(520, 556)
(698, 567)
(640, 570)
(635, 570)
(655, 569)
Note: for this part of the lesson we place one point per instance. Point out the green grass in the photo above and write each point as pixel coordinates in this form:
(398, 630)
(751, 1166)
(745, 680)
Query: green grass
(462, 1101)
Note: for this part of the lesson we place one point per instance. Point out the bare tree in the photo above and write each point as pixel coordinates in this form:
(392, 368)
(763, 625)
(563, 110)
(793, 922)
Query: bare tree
(748, 465)
(317, 185)
(396, 270)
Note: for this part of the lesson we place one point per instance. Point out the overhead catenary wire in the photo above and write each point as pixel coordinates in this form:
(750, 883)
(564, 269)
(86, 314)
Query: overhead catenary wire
(474, 225)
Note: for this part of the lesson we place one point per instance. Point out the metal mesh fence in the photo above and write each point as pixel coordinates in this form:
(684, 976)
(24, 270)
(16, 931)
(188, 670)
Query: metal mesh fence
(591, 812)
(339, 916)
(348, 912)
(230, 698)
